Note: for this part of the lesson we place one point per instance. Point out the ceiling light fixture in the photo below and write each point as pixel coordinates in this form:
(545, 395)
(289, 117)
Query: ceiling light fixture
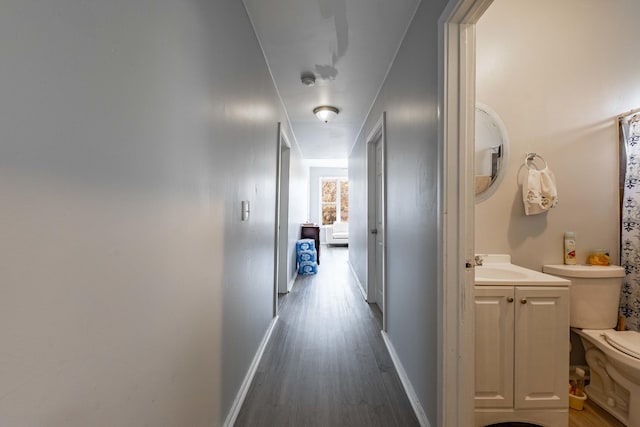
(326, 112)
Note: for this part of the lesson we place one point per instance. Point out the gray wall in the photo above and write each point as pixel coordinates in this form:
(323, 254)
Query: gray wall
(410, 98)
(131, 293)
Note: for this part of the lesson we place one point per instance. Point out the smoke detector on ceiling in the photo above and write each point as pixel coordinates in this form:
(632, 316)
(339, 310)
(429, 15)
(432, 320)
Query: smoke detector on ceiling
(308, 79)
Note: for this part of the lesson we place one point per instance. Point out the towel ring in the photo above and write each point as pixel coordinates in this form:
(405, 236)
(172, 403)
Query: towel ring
(528, 160)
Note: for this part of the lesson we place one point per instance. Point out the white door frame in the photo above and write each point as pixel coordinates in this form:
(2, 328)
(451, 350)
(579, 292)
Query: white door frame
(282, 143)
(378, 133)
(456, 59)
(283, 226)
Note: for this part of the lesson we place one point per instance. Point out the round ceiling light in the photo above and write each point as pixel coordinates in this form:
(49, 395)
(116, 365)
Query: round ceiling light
(326, 112)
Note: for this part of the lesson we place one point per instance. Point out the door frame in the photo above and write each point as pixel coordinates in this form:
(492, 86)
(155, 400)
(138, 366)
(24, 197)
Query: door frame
(456, 132)
(283, 215)
(280, 253)
(378, 133)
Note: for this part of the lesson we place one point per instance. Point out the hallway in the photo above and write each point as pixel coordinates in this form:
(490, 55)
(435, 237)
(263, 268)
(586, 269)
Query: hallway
(326, 363)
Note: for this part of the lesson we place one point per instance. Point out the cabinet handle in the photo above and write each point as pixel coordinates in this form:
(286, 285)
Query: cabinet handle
(523, 300)
(509, 299)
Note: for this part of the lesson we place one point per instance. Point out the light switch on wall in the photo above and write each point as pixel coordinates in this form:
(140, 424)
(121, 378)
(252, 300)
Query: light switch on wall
(245, 210)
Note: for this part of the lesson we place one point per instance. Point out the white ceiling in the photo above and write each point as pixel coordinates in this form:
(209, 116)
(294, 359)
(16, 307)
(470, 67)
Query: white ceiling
(347, 44)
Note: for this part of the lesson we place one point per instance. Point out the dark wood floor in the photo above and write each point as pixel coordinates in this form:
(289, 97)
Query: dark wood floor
(326, 363)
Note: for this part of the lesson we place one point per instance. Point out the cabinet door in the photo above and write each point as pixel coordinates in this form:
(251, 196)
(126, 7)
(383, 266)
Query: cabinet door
(541, 347)
(494, 328)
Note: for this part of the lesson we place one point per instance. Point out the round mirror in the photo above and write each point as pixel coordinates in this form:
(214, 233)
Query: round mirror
(491, 151)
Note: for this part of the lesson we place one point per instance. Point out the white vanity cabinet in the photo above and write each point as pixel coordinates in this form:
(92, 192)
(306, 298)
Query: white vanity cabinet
(522, 353)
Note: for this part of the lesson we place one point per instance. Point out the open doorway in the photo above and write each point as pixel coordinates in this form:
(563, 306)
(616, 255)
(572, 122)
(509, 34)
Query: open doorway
(329, 201)
(458, 59)
(457, 133)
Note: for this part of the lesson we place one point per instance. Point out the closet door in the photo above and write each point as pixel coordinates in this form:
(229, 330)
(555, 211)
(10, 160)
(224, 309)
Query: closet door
(494, 329)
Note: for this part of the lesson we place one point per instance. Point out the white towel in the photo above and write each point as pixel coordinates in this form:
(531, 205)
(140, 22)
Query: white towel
(539, 191)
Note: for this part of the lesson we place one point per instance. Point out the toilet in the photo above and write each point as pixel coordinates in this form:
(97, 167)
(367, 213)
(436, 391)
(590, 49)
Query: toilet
(613, 356)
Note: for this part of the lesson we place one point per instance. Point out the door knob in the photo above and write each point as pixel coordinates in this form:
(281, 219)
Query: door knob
(509, 299)
(523, 300)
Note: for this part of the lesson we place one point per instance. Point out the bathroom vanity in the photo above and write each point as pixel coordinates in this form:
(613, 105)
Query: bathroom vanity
(521, 344)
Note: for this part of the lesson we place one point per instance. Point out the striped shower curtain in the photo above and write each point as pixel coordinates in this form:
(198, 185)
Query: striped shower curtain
(630, 225)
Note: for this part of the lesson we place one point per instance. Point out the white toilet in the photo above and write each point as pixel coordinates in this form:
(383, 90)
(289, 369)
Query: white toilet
(613, 356)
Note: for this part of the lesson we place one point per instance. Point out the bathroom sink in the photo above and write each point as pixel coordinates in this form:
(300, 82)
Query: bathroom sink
(499, 273)
(497, 269)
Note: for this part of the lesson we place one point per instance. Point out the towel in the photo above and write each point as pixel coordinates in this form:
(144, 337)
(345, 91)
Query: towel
(539, 192)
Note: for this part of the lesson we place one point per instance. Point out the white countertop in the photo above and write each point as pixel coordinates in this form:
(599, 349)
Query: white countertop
(498, 270)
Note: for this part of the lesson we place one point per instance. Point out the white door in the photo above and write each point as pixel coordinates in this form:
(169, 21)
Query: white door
(541, 347)
(494, 345)
(379, 224)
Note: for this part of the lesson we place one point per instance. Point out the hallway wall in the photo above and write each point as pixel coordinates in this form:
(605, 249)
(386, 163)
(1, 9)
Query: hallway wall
(130, 132)
(410, 98)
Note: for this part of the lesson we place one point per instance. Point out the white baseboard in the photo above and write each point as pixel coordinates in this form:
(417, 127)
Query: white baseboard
(355, 276)
(404, 379)
(244, 387)
(292, 281)
(290, 284)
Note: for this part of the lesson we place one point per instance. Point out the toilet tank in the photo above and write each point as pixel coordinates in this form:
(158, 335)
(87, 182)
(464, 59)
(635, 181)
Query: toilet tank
(594, 294)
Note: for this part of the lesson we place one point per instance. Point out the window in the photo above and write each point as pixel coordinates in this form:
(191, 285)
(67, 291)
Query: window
(334, 198)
